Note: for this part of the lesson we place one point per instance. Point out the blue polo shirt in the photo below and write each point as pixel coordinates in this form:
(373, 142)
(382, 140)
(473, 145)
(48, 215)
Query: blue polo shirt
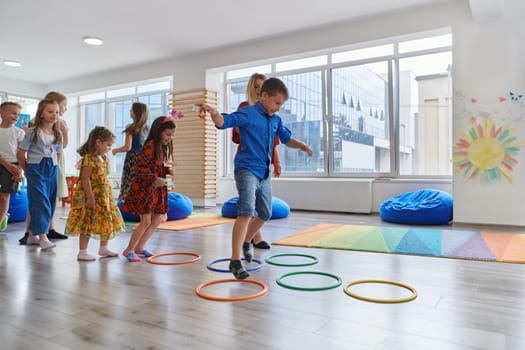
(257, 130)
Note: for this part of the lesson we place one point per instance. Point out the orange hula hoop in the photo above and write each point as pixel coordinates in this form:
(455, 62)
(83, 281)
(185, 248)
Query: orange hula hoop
(151, 259)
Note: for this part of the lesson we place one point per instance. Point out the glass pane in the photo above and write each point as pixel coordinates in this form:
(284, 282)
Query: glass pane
(425, 115)
(121, 92)
(29, 105)
(247, 72)
(302, 63)
(92, 115)
(161, 85)
(118, 117)
(236, 95)
(303, 115)
(155, 104)
(167, 103)
(361, 54)
(426, 43)
(360, 123)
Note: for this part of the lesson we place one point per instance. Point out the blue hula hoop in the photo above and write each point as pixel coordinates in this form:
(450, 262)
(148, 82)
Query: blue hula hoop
(211, 263)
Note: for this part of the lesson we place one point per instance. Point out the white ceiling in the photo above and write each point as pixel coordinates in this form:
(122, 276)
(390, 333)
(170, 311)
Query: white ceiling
(46, 36)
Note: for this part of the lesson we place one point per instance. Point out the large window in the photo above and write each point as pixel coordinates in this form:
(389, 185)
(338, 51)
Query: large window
(111, 108)
(91, 115)
(118, 118)
(377, 111)
(303, 115)
(425, 121)
(29, 104)
(360, 125)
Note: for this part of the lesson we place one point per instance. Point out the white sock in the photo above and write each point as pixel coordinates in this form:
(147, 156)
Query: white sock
(33, 240)
(104, 251)
(46, 244)
(83, 255)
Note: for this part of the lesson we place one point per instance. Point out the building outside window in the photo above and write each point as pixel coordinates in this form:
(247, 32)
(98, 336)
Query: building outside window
(387, 110)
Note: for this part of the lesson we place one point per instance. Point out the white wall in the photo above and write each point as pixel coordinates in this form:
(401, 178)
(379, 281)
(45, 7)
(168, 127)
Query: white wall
(338, 195)
(22, 88)
(488, 63)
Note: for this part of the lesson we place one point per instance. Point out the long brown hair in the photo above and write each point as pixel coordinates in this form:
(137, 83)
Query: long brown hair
(159, 125)
(55, 96)
(140, 119)
(38, 122)
(98, 133)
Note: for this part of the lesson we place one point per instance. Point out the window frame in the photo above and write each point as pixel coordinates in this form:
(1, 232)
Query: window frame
(393, 95)
(165, 95)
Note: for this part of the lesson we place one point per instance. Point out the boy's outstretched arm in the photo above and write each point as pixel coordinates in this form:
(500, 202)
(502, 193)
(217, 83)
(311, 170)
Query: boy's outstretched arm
(295, 143)
(216, 117)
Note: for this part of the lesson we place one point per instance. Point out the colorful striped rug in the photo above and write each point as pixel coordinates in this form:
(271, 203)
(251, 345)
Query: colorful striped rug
(487, 246)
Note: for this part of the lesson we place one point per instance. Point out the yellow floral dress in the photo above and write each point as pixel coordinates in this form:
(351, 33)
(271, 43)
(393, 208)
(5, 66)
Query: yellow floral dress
(105, 221)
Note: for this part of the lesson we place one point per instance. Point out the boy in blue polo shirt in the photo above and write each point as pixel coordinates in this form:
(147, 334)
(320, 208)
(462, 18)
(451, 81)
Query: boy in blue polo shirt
(258, 124)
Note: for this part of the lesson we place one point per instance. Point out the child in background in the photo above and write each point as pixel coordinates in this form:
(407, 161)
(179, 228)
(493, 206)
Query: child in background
(94, 213)
(38, 155)
(10, 172)
(253, 92)
(258, 125)
(61, 176)
(148, 194)
(62, 190)
(136, 133)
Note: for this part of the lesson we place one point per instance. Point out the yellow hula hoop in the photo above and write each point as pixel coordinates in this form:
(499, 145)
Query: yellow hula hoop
(383, 301)
(199, 292)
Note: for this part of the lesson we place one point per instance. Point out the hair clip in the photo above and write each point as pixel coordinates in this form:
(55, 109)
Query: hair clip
(178, 115)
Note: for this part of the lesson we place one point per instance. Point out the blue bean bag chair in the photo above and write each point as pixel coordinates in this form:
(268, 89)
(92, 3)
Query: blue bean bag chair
(280, 209)
(18, 206)
(180, 206)
(421, 207)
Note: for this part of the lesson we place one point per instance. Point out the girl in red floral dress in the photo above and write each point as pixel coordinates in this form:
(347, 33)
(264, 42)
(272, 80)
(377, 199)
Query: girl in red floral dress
(148, 194)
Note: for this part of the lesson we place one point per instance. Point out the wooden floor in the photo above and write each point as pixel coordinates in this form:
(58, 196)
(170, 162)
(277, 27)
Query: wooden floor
(48, 300)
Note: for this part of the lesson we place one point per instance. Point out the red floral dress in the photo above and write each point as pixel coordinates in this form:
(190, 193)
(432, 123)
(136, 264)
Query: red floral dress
(142, 197)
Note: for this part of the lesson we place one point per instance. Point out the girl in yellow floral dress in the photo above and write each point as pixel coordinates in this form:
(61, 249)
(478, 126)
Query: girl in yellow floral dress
(94, 212)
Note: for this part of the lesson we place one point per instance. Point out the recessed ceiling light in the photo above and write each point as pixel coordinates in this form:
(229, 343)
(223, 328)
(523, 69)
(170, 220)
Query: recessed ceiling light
(93, 41)
(12, 63)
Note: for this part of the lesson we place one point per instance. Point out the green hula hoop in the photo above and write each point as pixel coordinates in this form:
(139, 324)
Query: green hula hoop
(282, 284)
(313, 262)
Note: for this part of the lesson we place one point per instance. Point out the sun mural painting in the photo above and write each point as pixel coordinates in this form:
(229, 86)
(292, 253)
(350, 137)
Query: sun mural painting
(486, 153)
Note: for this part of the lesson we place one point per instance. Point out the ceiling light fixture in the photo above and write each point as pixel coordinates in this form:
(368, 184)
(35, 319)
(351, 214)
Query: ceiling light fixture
(12, 63)
(90, 40)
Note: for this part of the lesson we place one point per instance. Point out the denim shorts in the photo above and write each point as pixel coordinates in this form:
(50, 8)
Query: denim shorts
(255, 195)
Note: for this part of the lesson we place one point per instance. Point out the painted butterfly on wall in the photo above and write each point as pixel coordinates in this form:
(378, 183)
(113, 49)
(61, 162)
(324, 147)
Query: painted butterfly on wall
(515, 97)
